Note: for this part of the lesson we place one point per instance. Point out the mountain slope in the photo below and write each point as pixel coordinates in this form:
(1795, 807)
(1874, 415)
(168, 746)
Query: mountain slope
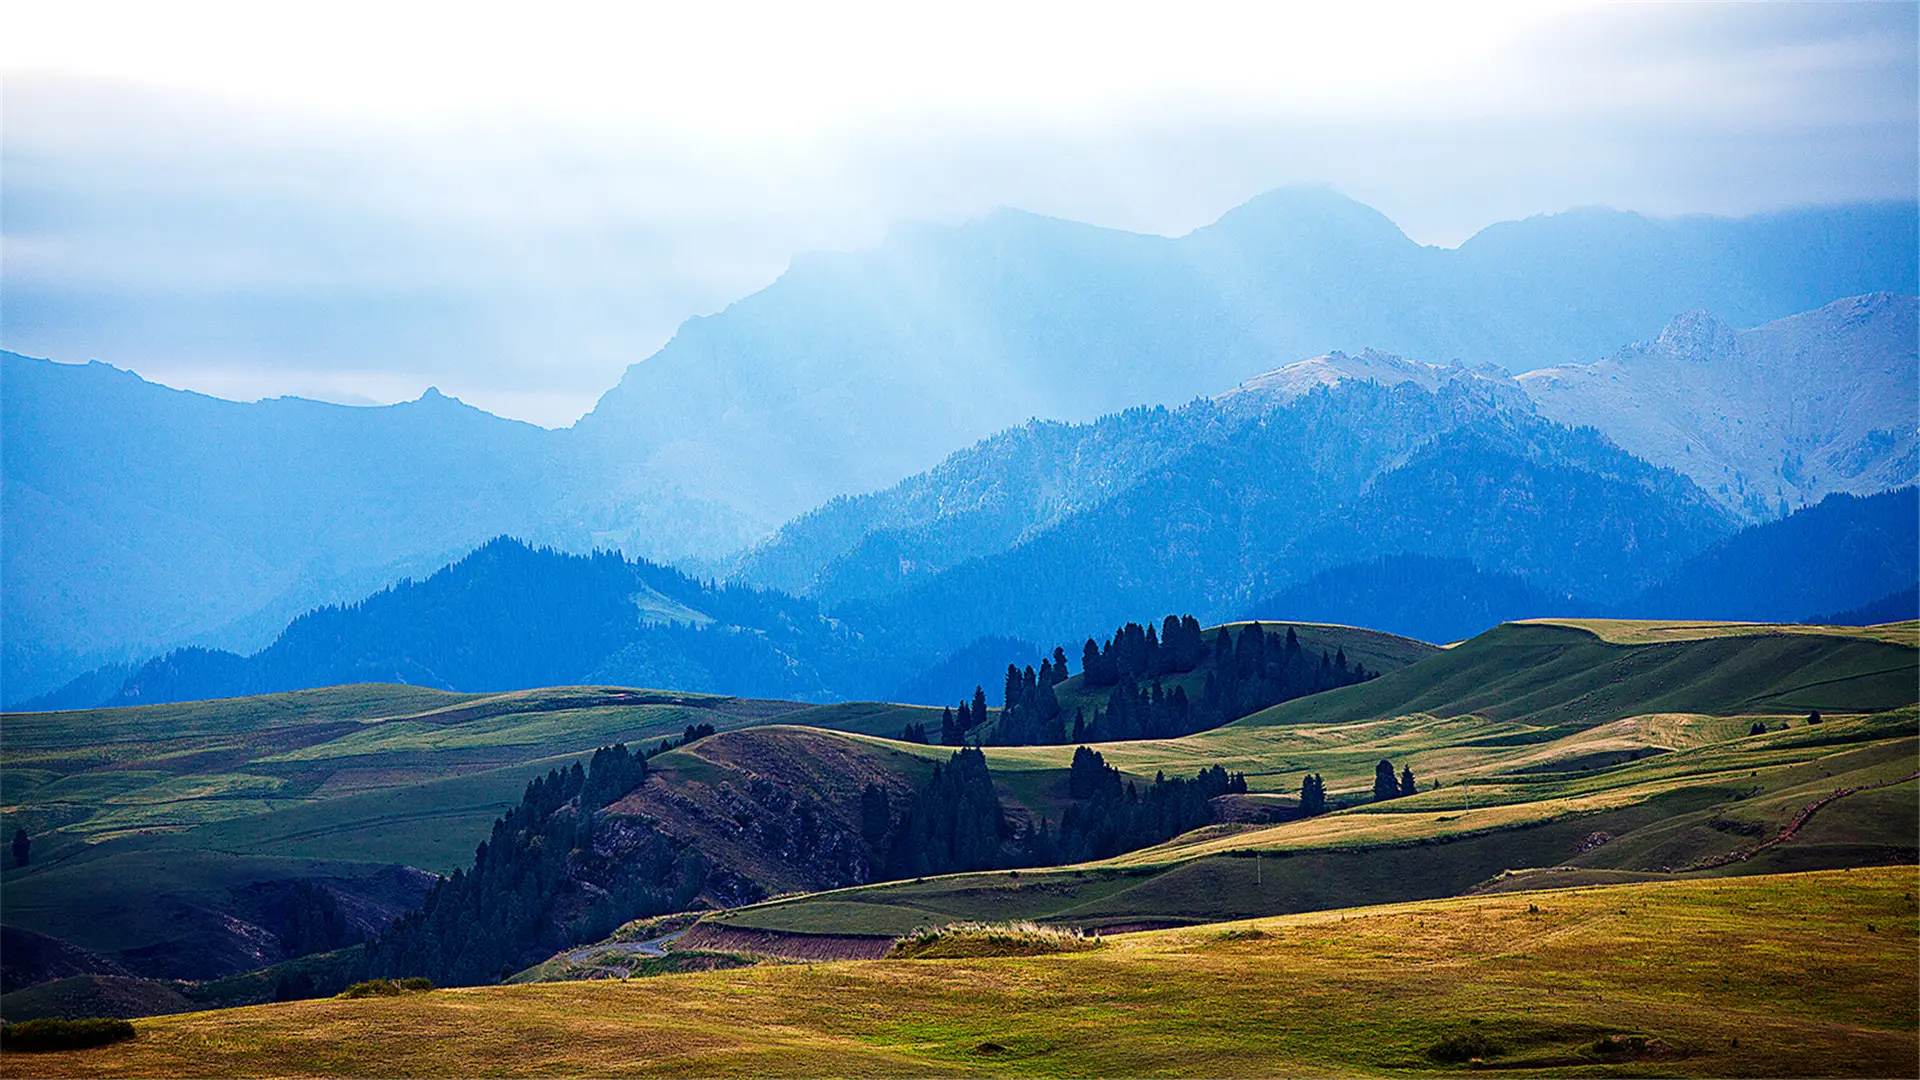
(138, 518)
(1841, 553)
(943, 335)
(1350, 473)
(1563, 674)
(509, 617)
(1593, 750)
(1777, 416)
(1432, 599)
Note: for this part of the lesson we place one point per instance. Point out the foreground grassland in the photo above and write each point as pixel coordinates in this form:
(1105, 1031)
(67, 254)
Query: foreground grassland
(1783, 975)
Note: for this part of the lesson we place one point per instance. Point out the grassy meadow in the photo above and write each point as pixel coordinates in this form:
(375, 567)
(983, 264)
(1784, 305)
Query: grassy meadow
(148, 820)
(1797, 975)
(1693, 790)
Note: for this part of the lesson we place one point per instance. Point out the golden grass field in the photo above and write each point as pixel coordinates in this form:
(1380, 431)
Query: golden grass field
(1785, 975)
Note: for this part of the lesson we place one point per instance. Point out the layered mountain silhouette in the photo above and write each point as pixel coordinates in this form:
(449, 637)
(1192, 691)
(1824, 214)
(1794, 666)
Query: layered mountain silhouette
(855, 370)
(510, 616)
(139, 518)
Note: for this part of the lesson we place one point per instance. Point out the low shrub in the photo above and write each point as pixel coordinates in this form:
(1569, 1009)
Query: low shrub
(386, 988)
(1613, 1048)
(1460, 1048)
(54, 1033)
(963, 940)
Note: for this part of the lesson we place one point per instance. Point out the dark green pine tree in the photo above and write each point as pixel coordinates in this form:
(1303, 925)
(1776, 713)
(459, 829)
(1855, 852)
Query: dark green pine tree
(875, 814)
(1384, 785)
(22, 847)
(1407, 786)
(1313, 795)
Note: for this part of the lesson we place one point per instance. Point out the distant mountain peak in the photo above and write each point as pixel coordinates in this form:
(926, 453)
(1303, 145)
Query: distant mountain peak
(1763, 419)
(1295, 380)
(1312, 212)
(1696, 336)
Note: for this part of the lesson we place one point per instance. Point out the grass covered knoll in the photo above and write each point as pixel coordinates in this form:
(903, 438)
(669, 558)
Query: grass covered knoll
(1788, 975)
(1376, 650)
(1558, 674)
(1649, 631)
(966, 941)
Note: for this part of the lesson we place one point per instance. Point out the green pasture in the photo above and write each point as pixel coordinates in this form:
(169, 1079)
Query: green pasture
(1786, 975)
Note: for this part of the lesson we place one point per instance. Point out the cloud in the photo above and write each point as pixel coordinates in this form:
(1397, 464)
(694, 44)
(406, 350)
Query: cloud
(514, 210)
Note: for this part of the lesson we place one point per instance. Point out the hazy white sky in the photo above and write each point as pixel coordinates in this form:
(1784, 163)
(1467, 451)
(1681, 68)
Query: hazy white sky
(354, 201)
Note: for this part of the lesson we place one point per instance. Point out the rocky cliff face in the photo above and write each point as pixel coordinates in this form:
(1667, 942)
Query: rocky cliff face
(1768, 419)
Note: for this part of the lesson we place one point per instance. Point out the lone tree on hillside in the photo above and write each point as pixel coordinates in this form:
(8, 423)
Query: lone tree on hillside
(22, 847)
(1313, 795)
(1407, 786)
(1384, 785)
(1813, 717)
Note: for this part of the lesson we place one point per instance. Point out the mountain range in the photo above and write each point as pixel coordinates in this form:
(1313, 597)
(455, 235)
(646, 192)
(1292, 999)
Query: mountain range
(139, 519)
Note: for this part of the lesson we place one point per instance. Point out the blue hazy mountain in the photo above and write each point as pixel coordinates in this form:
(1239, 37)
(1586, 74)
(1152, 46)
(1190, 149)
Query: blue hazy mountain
(1418, 596)
(855, 370)
(1339, 475)
(138, 518)
(1778, 416)
(1842, 553)
(509, 616)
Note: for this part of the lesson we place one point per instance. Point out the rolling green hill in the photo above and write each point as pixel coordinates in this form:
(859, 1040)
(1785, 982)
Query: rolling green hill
(1564, 673)
(175, 831)
(1695, 978)
(1372, 649)
(167, 835)
(1542, 737)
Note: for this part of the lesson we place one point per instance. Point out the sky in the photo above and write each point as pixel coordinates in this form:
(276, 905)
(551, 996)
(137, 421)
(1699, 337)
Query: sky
(355, 201)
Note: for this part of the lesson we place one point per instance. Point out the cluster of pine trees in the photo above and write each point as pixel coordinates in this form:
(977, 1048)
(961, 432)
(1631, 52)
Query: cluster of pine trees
(485, 923)
(954, 822)
(1134, 652)
(693, 732)
(1111, 816)
(1313, 789)
(1386, 787)
(1313, 795)
(311, 920)
(955, 724)
(1031, 713)
(1245, 672)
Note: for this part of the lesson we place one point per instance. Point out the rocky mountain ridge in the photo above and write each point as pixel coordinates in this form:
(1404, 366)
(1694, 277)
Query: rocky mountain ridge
(1766, 419)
